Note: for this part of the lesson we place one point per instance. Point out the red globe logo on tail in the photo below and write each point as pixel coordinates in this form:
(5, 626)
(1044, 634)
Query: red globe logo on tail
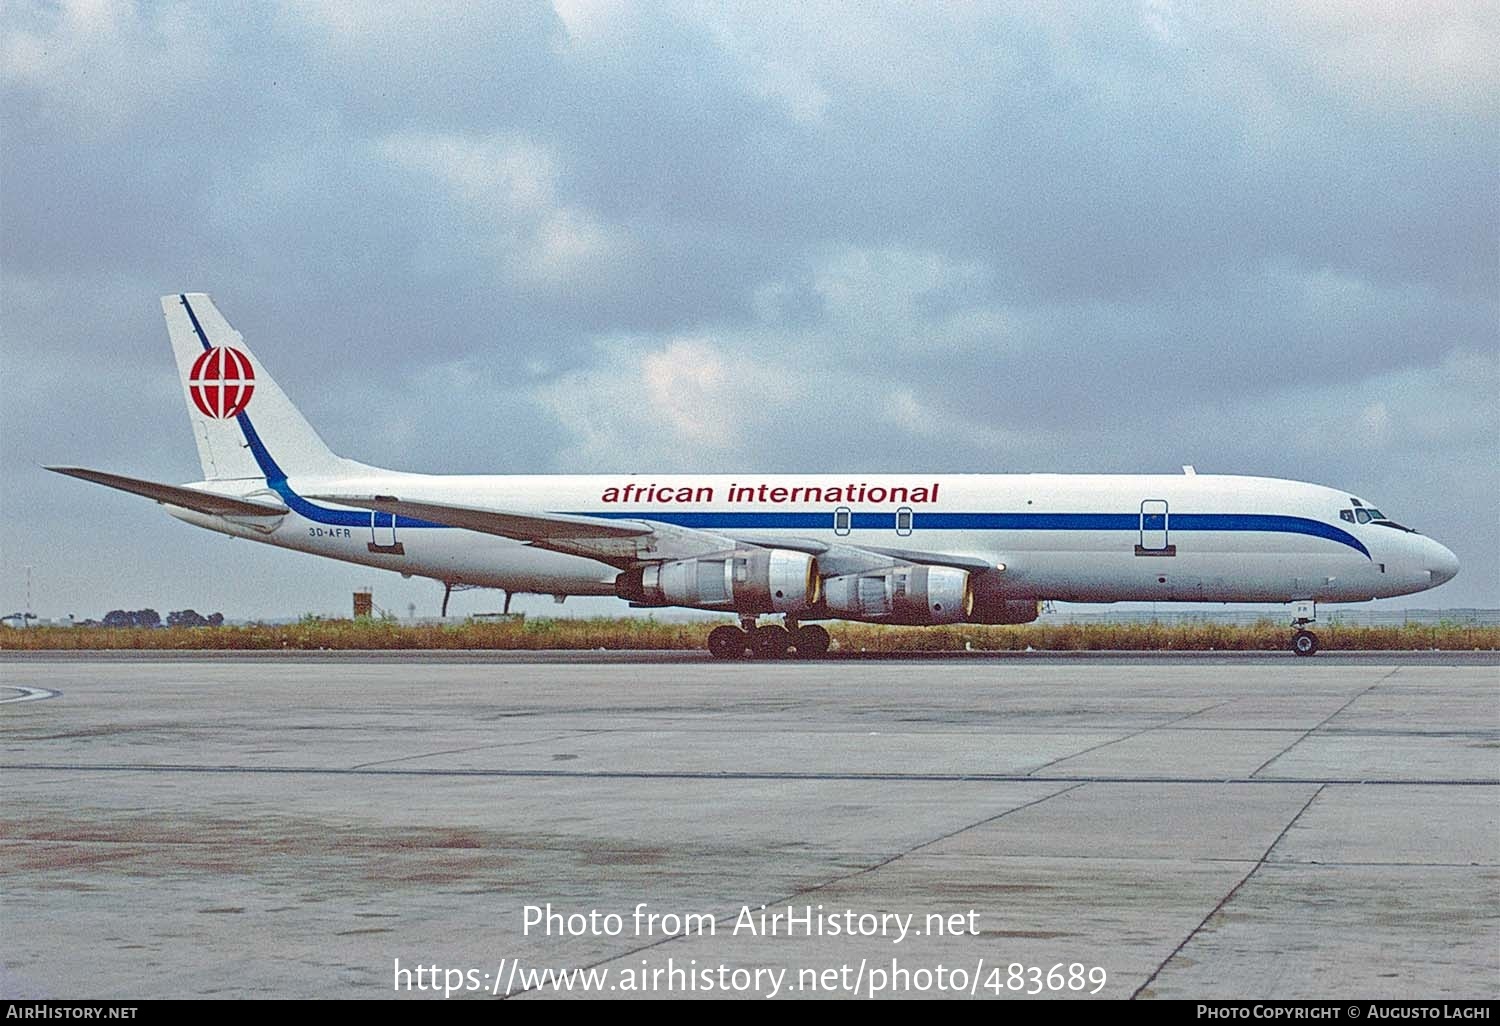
(221, 382)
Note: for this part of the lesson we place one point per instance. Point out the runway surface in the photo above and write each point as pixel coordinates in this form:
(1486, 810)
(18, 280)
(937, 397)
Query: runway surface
(1211, 827)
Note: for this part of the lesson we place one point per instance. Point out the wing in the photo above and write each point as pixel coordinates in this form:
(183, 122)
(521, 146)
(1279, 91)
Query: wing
(175, 495)
(838, 558)
(521, 526)
(621, 543)
(961, 562)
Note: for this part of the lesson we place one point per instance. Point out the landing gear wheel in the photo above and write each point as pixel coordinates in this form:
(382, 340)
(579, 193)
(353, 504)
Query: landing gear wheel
(770, 641)
(811, 642)
(727, 642)
(1305, 643)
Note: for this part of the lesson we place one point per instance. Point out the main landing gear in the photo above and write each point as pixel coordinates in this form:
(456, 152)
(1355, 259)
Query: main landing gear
(768, 641)
(1304, 641)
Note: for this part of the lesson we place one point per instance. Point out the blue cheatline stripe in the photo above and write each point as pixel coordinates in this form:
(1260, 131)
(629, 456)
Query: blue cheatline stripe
(1125, 522)
(276, 480)
(815, 521)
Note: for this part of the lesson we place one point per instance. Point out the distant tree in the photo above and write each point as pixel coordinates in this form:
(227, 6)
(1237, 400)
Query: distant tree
(216, 619)
(139, 618)
(186, 618)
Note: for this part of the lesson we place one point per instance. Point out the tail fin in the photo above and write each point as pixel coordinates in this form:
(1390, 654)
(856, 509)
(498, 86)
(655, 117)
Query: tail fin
(244, 425)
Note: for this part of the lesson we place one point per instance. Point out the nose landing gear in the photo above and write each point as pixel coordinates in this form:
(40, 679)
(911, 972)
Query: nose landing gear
(1304, 641)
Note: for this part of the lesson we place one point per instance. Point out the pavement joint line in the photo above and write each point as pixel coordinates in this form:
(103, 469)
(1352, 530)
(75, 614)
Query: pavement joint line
(566, 736)
(842, 877)
(1326, 720)
(1229, 896)
(712, 775)
(1133, 734)
(1273, 866)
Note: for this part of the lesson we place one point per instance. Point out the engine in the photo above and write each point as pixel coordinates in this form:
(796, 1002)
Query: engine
(744, 580)
(915, 595)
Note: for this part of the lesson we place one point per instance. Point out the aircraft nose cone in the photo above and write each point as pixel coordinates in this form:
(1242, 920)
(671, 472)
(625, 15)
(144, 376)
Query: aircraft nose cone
(1441, 563)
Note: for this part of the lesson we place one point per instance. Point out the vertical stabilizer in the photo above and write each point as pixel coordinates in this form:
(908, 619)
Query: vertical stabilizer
(244, 424)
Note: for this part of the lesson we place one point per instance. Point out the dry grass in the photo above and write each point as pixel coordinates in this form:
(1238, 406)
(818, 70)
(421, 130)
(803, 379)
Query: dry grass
(651, 634)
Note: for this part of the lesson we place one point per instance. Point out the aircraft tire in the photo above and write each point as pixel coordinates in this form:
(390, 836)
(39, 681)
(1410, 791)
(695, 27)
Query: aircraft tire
(727, 642)
(770, 641)
(811, 641)
(1305, 643)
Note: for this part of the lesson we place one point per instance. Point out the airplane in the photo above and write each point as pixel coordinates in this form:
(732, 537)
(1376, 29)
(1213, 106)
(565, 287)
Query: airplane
(911, 549)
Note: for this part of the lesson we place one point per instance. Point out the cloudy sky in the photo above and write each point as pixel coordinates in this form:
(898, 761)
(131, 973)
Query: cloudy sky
(599, 236)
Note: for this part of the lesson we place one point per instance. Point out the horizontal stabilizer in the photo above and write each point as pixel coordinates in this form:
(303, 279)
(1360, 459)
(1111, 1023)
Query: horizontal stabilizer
(520, 526)
(175, 495)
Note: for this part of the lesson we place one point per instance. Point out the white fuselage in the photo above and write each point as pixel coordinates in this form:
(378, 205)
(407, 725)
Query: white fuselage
(1079, 538)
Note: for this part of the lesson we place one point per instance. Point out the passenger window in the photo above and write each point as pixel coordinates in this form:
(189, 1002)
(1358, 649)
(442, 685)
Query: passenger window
(1347, 514)
(903, 520)
(841, 517)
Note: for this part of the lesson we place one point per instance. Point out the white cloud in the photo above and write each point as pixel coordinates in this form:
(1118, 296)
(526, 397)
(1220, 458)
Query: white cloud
(387, 29)
(809, 56)
(509, 185)
(680, 404)
(101, 62)
(590, 20)
(689, 385)
(1162, 19)
(920, 300)
(1439, 53)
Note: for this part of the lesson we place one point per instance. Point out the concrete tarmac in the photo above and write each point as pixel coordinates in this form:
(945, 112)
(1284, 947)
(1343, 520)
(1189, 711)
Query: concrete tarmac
(1188, 828)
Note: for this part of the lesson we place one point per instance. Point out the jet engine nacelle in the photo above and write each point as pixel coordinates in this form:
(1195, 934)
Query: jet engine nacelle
(745, 581)
(915, 595)
(993, 601)
(993, 610)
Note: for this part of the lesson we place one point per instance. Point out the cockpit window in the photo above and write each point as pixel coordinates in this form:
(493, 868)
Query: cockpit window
(1370, 515)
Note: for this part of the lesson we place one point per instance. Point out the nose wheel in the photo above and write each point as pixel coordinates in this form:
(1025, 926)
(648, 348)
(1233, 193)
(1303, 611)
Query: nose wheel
(1304, 641)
